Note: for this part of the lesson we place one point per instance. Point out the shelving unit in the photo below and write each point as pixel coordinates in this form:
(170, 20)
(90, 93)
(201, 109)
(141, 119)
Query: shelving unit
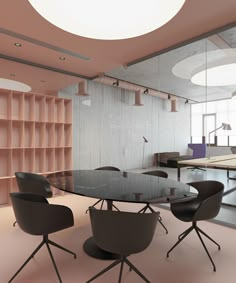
(36, 136)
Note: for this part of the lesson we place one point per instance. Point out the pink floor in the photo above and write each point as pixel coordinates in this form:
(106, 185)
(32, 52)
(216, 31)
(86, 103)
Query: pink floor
(188, 263)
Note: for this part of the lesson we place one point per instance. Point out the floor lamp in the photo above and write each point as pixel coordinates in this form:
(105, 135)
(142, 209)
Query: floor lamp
(225, 127)
(144, 141)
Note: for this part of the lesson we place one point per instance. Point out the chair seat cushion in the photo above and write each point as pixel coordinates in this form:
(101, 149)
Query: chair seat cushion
(185, 210)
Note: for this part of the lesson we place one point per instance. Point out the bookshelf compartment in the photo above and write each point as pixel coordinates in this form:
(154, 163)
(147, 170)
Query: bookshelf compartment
(17, 134)
(29, 134)
(49, 135)
(17, 161)
(28, 107)
(59, 135)
(39, 135)
(39, 160)
(17, 105)
(68, 111)
(59, 110)
(29, 160)
(39, 108)
(49, 109)
(5, 186)
(59, 159)
(68, 158)
(5, 162)
(5, 134)
(67, 135)
(5, 104)
(49, 160)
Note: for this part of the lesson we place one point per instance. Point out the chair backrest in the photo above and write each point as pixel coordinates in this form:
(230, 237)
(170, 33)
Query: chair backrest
(109, 168)
(157, 173)
(36, 216)
(33, 183)
(199, 149)
(122, 232)
(210, 193)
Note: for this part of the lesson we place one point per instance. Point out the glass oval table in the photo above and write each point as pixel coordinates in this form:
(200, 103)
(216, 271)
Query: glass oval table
(122, 187)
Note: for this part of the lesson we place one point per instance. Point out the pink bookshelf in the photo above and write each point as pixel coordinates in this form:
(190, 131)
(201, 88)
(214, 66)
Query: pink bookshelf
(36, 136)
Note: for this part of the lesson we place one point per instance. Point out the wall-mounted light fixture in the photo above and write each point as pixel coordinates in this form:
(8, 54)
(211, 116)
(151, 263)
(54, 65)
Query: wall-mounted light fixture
(82, 88)
(146, 91)
(186, 101)
(138, 101)
(169, 96)
(116, 83)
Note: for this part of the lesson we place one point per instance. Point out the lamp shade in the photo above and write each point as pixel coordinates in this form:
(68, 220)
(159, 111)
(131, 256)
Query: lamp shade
(108, 19)
(226, 127)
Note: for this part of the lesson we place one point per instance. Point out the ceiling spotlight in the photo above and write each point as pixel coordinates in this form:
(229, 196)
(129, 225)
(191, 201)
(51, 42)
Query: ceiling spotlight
(17, 44)
(116, 83)
(186, 101)
(146, 91)
(62, 58)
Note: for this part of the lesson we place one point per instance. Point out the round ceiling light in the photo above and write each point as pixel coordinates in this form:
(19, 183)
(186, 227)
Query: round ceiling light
(221, 75)
(14, 85)
(107, 19)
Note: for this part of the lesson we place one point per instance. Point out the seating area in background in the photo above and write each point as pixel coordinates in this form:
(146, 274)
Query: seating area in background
(117, 231)
(205, 207)
(199, 151)
(37, 217)
(170, 159)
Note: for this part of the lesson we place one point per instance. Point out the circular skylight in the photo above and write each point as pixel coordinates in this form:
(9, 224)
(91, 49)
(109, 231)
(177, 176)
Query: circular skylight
(222, 75)
(14, 85)
(107, 19)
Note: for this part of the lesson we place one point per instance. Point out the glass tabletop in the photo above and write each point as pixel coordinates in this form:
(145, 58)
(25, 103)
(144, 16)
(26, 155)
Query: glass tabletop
(121, 186)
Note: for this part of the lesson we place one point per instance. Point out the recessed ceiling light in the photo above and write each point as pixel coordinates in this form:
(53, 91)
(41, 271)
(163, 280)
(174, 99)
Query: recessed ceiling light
(14, 85)
(17, 44)
(222, 75)
(107, 19)
(62, 58)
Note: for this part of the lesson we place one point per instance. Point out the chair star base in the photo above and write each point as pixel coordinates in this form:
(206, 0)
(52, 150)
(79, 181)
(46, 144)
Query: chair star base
(121, 261)
(45, 241)
(145, 208)
(198, 231)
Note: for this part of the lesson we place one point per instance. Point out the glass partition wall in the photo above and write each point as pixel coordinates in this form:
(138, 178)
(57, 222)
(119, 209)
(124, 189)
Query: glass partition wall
(197, 85)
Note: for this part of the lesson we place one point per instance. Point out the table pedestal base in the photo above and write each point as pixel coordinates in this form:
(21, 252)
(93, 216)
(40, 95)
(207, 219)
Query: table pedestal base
(93, 250)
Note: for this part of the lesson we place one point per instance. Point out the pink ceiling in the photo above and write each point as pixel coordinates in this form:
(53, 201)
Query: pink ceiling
(196, 18)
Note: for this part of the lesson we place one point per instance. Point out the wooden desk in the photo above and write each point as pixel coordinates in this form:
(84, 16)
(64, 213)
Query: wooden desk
(226, 162)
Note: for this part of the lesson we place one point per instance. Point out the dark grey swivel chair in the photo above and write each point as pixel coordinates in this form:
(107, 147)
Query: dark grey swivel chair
(157, 173)
(36, 216)
(33, 183)
(123, 233)
(206, 206)
(104, 168)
